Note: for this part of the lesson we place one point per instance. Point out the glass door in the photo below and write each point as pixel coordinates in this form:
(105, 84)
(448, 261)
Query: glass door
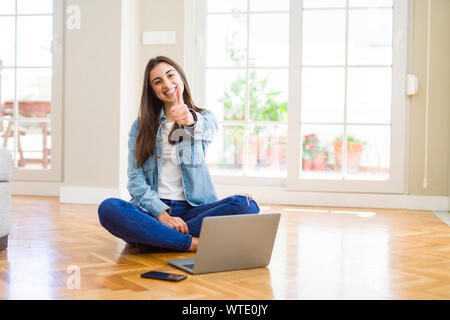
(350, 110)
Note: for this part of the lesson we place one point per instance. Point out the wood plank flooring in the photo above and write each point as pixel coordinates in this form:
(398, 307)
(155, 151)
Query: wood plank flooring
(60, 251)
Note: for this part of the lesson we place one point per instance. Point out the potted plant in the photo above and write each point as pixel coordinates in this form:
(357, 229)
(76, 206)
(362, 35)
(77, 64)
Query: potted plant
(354, 151)
(310, 147)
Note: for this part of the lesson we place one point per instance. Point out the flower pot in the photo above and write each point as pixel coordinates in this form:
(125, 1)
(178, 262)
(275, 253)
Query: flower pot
(320, 161)
(354, 151)
(307, 165)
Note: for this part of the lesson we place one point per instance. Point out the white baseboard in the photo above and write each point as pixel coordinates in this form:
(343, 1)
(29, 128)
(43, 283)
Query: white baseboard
(276, 195)
(89, 195)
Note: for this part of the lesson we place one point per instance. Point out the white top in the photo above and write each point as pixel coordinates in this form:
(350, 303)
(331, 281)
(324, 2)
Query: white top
(170, 185)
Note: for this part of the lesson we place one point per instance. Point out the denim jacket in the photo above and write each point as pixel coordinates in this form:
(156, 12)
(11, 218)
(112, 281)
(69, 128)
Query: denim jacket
(190, 152)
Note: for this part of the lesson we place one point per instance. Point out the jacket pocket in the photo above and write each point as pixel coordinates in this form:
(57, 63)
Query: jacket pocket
(191, 154)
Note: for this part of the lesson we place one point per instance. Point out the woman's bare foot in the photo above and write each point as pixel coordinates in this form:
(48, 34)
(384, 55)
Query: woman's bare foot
(194, 244)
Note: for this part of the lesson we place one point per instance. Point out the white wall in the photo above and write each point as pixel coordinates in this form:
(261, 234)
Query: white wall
(101, 98)
(92, 95)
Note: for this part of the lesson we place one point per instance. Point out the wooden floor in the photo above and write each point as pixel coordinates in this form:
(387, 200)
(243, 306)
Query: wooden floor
(319, 254)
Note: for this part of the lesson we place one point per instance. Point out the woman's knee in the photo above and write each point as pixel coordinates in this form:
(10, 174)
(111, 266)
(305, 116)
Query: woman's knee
(246, 204)
(107, 209)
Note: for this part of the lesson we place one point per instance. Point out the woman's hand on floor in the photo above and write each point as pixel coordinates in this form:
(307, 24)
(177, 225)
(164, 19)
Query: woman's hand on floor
(173, 222)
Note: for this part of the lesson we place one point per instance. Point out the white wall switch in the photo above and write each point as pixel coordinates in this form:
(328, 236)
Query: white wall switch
(159, 37)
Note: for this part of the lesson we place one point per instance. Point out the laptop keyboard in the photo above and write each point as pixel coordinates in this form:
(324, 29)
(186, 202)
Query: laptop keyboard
(190, 266)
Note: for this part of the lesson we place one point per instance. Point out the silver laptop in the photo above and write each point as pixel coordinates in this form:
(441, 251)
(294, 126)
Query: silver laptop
(233, 242)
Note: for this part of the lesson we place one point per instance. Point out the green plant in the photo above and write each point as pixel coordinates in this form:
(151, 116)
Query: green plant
(264, 104)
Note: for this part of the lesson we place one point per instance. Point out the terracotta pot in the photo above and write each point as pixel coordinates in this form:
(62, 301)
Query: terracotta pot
(307, 165)
(320, 161)
(354, 151)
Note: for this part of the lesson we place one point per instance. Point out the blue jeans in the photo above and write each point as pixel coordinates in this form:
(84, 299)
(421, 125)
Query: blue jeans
(134, 225)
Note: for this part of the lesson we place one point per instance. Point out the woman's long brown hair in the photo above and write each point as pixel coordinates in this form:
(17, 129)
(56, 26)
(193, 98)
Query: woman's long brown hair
(150, 111)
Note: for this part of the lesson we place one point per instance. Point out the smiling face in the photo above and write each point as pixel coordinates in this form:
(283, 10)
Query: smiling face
(165, 81)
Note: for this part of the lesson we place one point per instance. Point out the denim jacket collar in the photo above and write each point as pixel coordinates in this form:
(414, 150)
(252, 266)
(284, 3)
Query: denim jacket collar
(162, 114)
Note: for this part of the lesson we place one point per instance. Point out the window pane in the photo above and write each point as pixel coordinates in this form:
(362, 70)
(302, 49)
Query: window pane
(368, 152)
(7, 92)
(225, 93)
(323, 95)
(369, 95)
(318, 152)
(323, 37)
(269, 5)
(324, 3)
(7, 7)
(268, 95)
(370, 3)
(34, 6)
(269, 40)
(226, 40)
(267, 150)
(34, 37)
(34, 92)
(34, 145)
(7, 32)
(370, 37)
(226, 155)
(227, 5)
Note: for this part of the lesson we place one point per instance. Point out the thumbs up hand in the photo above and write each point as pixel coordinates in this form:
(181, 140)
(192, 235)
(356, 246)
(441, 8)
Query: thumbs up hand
(180, 111)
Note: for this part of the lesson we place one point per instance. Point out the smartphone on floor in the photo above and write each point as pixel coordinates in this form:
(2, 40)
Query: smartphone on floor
(163, 276)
